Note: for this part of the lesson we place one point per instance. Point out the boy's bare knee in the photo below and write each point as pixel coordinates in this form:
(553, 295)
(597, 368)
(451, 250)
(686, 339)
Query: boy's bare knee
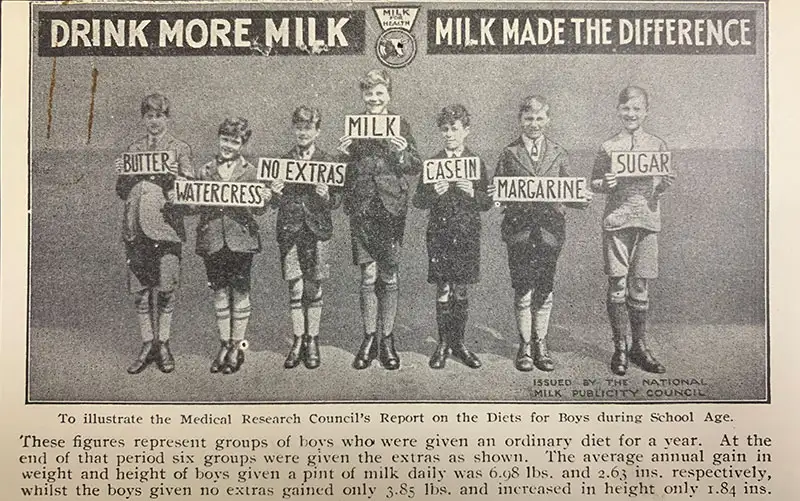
(523, 299)
(617, 289)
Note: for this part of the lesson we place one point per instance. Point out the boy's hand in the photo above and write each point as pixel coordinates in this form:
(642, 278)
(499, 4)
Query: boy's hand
(398, 143)
(441, 187)
(344, 144)
(491, 190)
(172, 197)
(322, 190)
(267, 196)
(173, 168)
(610, 180)
(666, 182)
(466, 186)
(118, 165)
(277, 187)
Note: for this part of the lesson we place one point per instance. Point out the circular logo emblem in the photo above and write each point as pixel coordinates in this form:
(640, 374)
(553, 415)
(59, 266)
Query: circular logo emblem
(396, 47)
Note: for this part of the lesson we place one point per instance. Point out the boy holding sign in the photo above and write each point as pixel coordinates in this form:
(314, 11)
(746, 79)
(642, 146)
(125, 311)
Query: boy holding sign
(381, 152)
(153, 229)
(534, 228)
(633, 184)
(227, 239)
(304, 230)
(453, 187)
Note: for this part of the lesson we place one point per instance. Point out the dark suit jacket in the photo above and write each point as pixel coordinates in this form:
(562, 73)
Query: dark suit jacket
(375, 169)
(521, 218)
(231, 226)
(147, 212)
(300, 205)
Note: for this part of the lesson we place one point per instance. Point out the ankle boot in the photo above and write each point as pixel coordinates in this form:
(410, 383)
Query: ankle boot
(310, 352)
(443, 323)
(639, 353)
(388, 355)
(146, 356)
(459, 349)
(524, 361)
(367, 352)
(164, 360)
(295, 353)
(616, 316)
(234, 358)
(219, 361)
(541, 357)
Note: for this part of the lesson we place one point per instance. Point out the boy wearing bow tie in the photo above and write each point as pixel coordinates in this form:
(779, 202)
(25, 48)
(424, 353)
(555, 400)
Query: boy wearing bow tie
(304, 230)
(534, 232)
(153, 233)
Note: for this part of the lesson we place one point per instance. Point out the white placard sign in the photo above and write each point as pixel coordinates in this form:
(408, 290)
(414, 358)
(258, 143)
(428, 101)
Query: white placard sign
(146, 162)
(302, 171)
(220, 193)
(451, 169)
(371, 126)
(539, 189)
(641, 163)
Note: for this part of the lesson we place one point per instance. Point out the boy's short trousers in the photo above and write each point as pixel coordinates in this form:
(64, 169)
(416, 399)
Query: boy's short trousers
(531, 266)
(631, 252)
(305, 257)
(226, 268)
(153, 264)
(378, 237)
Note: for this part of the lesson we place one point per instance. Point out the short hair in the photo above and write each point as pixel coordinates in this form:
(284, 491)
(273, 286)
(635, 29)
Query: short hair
(306, 115)
(155, 102)
(235, 127)
(373, 78)
(534, 103)
(451, 113)
(631, 92)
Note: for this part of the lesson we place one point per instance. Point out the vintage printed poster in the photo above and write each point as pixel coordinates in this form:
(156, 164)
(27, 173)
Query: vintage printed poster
(370, 250)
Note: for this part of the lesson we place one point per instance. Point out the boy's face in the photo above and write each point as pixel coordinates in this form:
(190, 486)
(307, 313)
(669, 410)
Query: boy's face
(632, 113)
(230, 147)
(305, 133)
(534, 123)
(454, 135)
(155, 122)
(376, 99)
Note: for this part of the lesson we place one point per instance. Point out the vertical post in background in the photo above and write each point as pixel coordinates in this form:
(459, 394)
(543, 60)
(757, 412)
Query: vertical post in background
(50, 98)
(91, 105)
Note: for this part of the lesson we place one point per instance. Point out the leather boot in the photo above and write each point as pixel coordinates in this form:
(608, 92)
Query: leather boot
(616, 316)
(165, 360)
(541, 357)
(639, 353)
(367, 352)
(219, 361)
(457, 346)
(443, 323)
(234, 358)
(524, 361)
(310, 352)
(388, 355)
(295, 353)
(146, 355)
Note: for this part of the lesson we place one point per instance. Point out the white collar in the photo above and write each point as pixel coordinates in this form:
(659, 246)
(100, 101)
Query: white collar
(310, 151)
(528, 142)
(454, 153)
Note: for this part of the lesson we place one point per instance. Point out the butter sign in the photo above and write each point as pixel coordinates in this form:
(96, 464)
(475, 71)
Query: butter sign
(372, 126)
(451, 169)
(146, 162)
(641, 163)
(539, 189)
(301, 171)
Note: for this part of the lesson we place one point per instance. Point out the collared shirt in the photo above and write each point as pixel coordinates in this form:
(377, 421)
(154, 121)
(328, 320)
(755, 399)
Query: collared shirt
(454, 153)
(529, 146)
(307, 153)
(225, 169)
(154, 141)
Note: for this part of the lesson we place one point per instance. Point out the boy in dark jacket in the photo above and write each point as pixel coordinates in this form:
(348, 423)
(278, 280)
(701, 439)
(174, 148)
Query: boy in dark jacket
(453, 238)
